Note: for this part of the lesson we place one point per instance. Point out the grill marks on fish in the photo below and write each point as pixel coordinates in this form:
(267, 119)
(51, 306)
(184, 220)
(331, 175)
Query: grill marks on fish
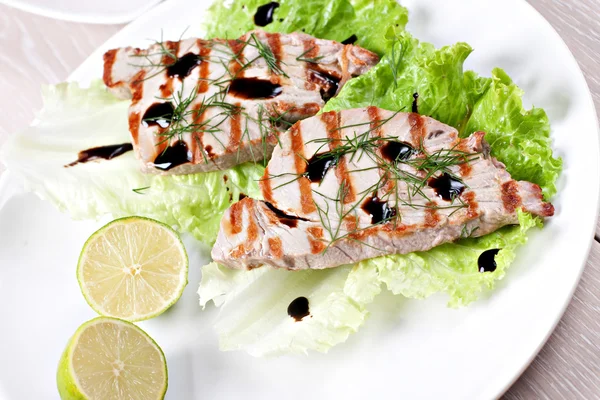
(332, 126)
(236, 130)
(306, 201)
(472, 206)
(201, 68)
(109, 61)
(316, 240)
(417, 132)
(276, 247)
(488, 199)
(135, 118)
(166, 89)
(311, 51)
(236, 64)
(235, 217)
(374, 121)
(274, 42)
(197, 144)
(266, 188)
(510, 196)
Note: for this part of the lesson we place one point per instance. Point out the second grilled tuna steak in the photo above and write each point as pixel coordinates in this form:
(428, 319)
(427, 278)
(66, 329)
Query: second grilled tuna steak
(201, 105)
(348, 186)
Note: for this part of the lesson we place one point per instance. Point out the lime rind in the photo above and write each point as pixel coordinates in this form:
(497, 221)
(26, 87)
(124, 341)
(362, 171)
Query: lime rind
(176, 294)
(66, 380)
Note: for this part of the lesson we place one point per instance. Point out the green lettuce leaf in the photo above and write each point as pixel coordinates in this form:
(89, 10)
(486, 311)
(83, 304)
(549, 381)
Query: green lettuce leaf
(459, 98)
(74, 119)
(452, 268)
(254, 305)
(518, 138)
(253, 314)
(326, 19)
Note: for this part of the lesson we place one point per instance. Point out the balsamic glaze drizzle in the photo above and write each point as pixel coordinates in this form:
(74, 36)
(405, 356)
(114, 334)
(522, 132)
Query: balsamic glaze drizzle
(173, 156)
(329, 84)
(159, 114)
(396, 151)
(184, 65)
(254, 88)
(447, 186)
(415, 104)
(289, 220)
(264, 14)
(380, 211)
(299, 308)
(318, 166)
(101, 153)
(351, 40)
(487, 260)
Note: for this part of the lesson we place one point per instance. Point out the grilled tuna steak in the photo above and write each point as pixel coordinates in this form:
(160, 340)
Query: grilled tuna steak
(201, 105)
(348, 186)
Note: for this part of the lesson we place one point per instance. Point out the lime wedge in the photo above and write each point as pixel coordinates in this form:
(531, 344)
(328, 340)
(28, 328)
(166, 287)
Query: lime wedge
(108, 358)
(133, 268)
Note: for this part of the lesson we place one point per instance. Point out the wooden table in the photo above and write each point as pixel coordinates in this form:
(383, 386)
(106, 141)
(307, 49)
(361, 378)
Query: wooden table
(568, 367)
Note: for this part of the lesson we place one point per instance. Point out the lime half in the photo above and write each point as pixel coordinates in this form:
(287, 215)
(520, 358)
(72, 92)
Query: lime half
(108, 358)
(133, 268)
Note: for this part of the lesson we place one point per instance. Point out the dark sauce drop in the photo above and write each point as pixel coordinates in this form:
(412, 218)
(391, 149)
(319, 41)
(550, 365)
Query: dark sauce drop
(159, 114)
(351, 40)
(329, 84)
(415, 104)
(173, 156)
(446, 186)
(318, 166)
(184, 65)
(101, 153)
(264, 14)
(380, 211)
(298, 308)
(289, 220)
(242, 196)
(396, 151)
(254, 88)
(487, 260)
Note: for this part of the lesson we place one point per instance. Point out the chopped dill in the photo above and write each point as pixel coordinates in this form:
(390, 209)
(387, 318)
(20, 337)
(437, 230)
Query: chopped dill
(140, 190)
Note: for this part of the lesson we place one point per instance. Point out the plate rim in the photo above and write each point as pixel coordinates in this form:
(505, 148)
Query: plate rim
(559, 313)
(563, 309)
(87, 18)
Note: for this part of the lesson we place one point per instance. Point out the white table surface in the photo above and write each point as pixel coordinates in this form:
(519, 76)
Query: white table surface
(36, 50)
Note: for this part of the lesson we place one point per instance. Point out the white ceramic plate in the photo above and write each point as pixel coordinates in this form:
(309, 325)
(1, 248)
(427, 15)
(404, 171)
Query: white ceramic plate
(88, 11)
(408, 349)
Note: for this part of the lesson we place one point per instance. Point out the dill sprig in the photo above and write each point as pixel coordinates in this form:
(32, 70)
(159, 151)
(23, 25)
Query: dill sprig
(187, 113)
(401, 181)
(266, 53)
(188, 110)
(312, 60)
(140, 190)
(165, 54)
